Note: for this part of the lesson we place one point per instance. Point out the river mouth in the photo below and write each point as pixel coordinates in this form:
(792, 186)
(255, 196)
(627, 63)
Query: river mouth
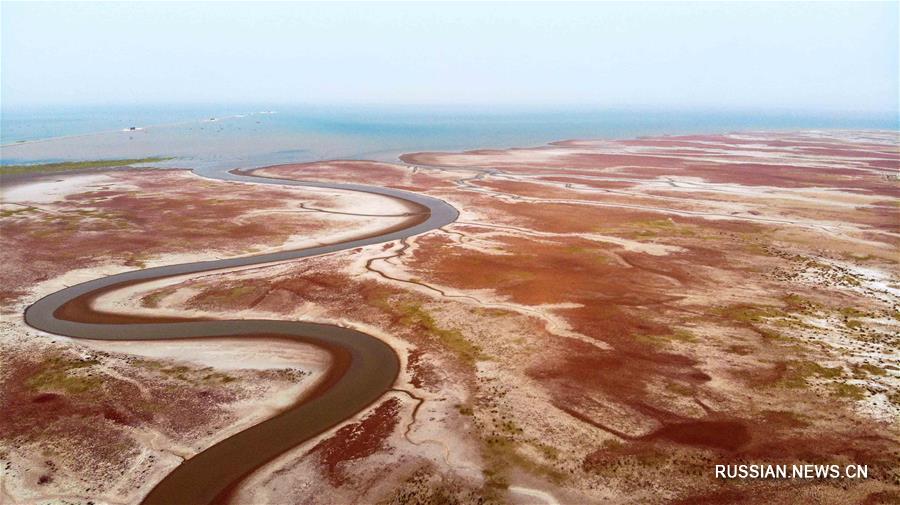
(362, 369)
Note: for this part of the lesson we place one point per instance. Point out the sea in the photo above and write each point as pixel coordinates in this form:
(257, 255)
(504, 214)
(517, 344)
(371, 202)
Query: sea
(232, 136)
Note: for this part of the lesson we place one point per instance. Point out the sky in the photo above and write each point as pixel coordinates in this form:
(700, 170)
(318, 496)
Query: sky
(757, 56)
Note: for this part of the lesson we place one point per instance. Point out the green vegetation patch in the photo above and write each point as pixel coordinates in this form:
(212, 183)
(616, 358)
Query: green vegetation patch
(773, 336)
(216, 377)
(202, 376)
(680, 389)
(750, 314)
(868, 369)
(853, 324)
(75, 165)
(595, 254)
(850, 391)
(859, 256)
(412, 314)
(796, 303)
(799, 373)
(501, 454)
(683, 336)
(656, 223)
(852, 312)
(660, 227)
(152, 300)
(16, 212)
(491, 312)
(59, 373)
(227, 295)
(465, 410)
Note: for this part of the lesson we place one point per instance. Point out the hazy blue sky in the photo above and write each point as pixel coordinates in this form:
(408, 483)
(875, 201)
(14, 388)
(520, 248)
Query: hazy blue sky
(835, 56)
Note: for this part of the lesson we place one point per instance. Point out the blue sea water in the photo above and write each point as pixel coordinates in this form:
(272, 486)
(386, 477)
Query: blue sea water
(244, 135)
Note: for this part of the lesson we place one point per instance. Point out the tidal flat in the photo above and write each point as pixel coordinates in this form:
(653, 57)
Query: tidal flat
(606, 321)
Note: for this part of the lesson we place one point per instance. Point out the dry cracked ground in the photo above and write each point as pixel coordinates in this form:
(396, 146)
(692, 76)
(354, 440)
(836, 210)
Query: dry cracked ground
(606, 322)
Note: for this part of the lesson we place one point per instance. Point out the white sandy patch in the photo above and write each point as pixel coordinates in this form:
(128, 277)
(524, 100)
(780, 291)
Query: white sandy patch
(360, 203)
(224, 353)
(650, 248)
(517, 156)
(339, 200)
(875, 280)
(532, 495)
(355, 228)
(46, 191)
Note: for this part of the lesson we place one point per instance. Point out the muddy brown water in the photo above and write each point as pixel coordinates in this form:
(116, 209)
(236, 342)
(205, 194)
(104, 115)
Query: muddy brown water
(364, 367)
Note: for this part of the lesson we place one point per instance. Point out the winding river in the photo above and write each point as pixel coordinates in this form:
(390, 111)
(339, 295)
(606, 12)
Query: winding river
(363, 367)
